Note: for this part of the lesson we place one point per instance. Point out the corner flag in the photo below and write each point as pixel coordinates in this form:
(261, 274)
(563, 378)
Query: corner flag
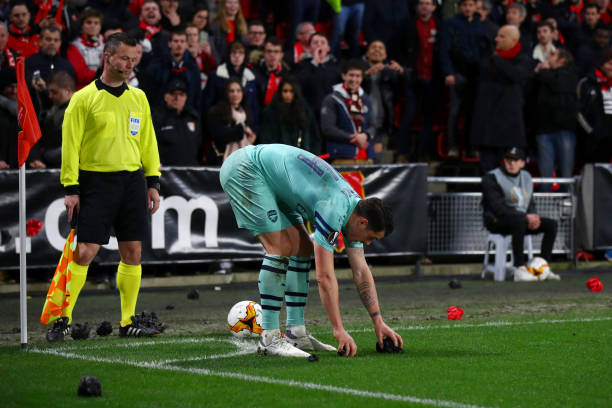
(26, 116)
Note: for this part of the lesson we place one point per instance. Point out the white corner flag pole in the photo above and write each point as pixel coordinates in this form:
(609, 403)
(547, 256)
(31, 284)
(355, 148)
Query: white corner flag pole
(23, 305)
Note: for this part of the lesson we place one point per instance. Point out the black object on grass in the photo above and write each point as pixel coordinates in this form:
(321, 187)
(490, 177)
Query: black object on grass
(89, 387)
(388, 347)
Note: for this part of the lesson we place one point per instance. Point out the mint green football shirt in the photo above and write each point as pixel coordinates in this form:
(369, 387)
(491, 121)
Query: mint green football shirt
(273, 186)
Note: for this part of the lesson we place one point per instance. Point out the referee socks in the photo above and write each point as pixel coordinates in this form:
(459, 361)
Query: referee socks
(128, 283)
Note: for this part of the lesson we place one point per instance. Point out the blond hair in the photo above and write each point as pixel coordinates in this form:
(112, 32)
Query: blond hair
(221, 18)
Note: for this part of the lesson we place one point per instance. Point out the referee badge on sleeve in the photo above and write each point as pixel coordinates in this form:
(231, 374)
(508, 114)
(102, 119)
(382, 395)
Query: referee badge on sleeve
(134, 124)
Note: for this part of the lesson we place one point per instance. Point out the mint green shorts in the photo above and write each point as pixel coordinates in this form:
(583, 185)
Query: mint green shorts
(252, 200)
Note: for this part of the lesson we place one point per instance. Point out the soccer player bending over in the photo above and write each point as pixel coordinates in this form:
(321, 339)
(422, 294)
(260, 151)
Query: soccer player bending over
(273, 190)
(108, 149)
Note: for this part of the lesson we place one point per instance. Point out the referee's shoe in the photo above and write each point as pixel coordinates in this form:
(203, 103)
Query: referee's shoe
(60, 329)
(138, 328)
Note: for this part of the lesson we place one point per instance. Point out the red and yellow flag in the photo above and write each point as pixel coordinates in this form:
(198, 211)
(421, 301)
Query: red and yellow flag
(30, 130)
(58, 297)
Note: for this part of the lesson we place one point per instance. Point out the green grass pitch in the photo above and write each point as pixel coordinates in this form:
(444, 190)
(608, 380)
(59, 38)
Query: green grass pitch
(544, 344)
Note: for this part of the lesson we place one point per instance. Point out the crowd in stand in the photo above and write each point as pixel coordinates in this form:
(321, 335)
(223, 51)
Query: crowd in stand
(426, 79)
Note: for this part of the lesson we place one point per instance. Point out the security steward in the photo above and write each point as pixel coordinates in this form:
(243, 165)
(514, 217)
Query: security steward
(110, 173)
(177, 126)
(509, 207)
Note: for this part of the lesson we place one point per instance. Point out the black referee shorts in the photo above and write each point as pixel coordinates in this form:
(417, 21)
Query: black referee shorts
(115, 199)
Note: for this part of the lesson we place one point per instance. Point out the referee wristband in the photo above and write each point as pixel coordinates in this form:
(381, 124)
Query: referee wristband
(72, 190)
(153, 182)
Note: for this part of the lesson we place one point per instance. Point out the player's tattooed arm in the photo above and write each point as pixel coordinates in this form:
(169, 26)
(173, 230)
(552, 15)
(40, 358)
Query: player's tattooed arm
(366, 295)
(364, 281)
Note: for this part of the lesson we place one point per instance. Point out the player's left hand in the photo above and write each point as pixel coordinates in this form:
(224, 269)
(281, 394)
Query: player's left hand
(381, 329)
(152, 200)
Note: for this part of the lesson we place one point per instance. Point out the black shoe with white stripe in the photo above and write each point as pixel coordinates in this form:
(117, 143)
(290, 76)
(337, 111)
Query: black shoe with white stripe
(137, 329)
(60, 329)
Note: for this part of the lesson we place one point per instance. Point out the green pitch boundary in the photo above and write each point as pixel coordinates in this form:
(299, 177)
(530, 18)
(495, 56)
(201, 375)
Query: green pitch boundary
(246, 347)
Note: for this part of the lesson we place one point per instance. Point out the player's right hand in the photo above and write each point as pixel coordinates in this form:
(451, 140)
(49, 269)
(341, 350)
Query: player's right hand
(72, 201)
(346, 343)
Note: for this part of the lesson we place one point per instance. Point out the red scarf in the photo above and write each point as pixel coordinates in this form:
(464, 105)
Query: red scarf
(602, 80)
(151, 30)
(10, 59)
(298, 50)
(273, 82)
(14, 30)
(231, 34)
(178, 66)
(88, 43)
(577, 10)
(44, 7)
(354, 104)
(511, 53)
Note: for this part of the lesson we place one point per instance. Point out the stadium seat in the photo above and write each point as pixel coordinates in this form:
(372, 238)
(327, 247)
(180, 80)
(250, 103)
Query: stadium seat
(502, 244)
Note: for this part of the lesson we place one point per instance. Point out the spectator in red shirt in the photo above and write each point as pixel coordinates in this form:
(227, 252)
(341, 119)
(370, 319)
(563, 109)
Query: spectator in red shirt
(86, 51)
(21, 39)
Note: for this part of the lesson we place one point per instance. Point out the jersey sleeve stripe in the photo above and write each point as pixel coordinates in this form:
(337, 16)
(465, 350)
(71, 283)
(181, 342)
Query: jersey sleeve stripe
(323, 223)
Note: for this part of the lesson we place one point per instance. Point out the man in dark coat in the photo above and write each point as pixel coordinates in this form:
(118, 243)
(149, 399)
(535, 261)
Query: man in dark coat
(556, 109)
(498, 114)
(595, 112)
(460, 50)
(177, 127)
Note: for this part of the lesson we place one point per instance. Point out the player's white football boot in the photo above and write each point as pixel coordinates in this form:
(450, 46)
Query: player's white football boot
(553, 276)
(273, 344)
(300, 338)
(521, 274)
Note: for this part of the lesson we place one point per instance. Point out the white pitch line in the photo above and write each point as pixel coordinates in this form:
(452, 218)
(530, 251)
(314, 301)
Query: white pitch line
(488, 324)
(267, 380)
(244, 345)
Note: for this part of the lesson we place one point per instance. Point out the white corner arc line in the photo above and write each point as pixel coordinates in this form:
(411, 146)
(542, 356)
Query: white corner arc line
(267, 380)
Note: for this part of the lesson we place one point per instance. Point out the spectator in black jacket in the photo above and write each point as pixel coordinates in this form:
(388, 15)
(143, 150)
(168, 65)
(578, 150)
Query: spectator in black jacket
(177, 64)
(460, 50)
(509, 209)
(556, 111)
(498, 114)
(317, 75)
(40, 67)
(595, 116)
(418, 53)
(177, 127)
(589, 54)
(47, 153)
(229, 124)
(270, 70)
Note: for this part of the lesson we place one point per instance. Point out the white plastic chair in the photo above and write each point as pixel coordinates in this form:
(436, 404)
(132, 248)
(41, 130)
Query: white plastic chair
(502, 244)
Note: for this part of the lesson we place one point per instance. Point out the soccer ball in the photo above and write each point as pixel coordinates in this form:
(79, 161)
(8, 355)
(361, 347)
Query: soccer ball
(244, 319)
(538, 267)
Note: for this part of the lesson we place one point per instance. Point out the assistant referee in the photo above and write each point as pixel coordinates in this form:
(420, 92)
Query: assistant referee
(110, 173)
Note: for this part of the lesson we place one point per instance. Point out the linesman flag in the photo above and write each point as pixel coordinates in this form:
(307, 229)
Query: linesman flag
(58, 297)
(30, 130)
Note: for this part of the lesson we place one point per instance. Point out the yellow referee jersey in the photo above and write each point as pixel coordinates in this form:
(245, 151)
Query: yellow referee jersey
(104, 133)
